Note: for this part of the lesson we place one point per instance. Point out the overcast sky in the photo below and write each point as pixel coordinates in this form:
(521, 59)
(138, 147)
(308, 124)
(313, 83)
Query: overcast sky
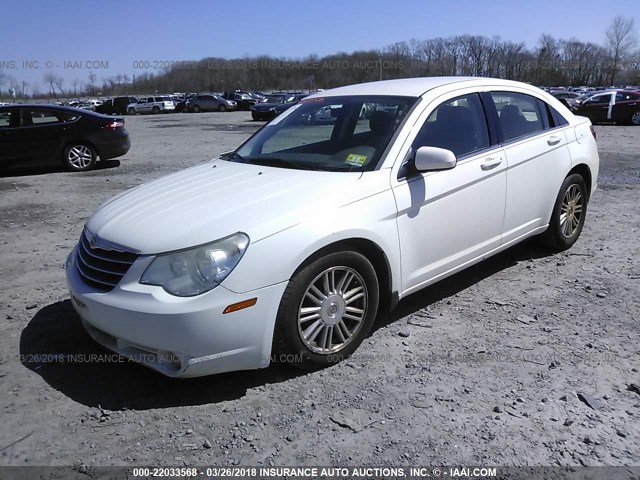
(68, 37)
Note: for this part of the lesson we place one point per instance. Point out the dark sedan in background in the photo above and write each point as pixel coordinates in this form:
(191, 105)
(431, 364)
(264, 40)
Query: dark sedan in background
(275, 105)
(116, 106)
(56, 135)
(617, 106)
(242, 99)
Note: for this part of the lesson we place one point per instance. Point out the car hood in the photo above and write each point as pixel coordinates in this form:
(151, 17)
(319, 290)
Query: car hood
(214, 200)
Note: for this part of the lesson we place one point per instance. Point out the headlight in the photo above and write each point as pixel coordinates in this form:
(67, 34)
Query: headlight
(197, 270)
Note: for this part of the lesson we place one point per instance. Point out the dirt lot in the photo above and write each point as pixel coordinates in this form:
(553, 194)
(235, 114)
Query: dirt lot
(484, 368)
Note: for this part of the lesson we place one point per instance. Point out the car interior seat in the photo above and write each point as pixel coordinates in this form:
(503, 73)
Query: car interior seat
(513, 122)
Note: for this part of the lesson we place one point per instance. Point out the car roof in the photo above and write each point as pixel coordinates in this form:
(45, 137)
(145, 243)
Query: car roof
(413, 87)
(48, 106)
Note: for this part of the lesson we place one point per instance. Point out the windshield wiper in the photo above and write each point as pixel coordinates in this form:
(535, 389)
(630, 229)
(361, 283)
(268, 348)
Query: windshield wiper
(278, 162)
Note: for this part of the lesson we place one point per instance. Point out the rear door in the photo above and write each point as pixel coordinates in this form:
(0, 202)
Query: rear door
(38, 136)
(537, 157)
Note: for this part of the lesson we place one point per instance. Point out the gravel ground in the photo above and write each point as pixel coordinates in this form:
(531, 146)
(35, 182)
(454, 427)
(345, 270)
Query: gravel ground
(525, 359)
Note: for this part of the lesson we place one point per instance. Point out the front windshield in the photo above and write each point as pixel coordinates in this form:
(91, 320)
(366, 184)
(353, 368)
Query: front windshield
(278, 99)
(331, 134)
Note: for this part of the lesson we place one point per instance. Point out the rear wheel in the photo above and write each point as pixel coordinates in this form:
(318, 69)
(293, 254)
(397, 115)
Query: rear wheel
(568, 215)
(327, 310)
(155, 110)
(635, 118)
(79, 157)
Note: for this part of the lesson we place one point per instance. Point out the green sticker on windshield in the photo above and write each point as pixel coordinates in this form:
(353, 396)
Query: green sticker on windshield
(355, 159)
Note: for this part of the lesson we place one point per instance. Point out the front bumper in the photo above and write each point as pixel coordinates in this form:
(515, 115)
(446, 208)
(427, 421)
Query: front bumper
(179, 337)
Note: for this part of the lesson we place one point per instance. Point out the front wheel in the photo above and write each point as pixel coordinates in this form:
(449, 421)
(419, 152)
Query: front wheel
(327, 310)
(222, 108)
(568, 215)
(79, 157)
(155, 110)
(635, 118)
(196, 108)
(131, 111)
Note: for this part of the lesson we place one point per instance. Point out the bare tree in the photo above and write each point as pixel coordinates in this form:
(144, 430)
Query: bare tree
(59, 82)
(620, 40)
(50, 79)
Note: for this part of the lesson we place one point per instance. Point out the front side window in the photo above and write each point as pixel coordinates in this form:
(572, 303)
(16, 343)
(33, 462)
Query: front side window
(5, 119)
(601, 98)
(519, 114)
(458, 125)
(331, 134)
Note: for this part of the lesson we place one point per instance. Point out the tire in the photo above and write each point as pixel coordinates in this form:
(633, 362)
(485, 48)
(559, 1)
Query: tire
(155, 110)
(196, 108)
(222, 108)
(79, 157)
(326, 333)
(131, 111)
(569, 212)
(635, 118)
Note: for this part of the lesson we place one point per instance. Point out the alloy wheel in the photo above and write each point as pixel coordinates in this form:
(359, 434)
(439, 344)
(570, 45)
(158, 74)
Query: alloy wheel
(80, 156)
(571, 211)
(332, 310)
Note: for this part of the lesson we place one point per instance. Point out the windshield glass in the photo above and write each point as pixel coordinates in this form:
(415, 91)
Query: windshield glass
(331, 134)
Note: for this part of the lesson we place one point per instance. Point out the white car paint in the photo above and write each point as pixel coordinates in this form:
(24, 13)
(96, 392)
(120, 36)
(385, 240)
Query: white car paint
(427, 227)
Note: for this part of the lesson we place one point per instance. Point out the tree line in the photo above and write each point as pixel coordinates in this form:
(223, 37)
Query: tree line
(550, 62)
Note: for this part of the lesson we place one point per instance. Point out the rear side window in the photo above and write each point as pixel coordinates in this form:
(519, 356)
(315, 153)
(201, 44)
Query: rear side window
(458, 125)
(557, 118)
(69, 117)
(520, 114)
(38, 117)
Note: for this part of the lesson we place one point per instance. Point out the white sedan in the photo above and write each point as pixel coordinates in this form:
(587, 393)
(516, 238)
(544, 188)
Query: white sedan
(289, 246)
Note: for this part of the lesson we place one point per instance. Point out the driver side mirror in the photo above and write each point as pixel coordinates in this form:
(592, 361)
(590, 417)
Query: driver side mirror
(430, 159)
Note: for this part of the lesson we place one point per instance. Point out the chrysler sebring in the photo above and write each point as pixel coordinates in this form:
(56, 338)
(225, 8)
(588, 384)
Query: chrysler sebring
(291, 244)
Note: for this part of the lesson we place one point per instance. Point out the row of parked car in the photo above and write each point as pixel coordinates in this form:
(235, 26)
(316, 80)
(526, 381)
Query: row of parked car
(262, 106)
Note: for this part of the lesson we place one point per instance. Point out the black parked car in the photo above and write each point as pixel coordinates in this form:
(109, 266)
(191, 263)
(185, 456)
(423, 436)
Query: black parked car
(115, 106)
(275, 105)
(59, 135)
(242, 99)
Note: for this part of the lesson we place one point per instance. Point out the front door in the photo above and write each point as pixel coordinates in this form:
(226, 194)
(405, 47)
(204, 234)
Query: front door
(449, 218)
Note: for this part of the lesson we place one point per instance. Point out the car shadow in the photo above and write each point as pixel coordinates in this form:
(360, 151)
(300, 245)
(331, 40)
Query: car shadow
(527, 250)
(33, 170)
(55, 346)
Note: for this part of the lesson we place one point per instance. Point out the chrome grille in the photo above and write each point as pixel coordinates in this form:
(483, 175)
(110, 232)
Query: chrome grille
(99, 267)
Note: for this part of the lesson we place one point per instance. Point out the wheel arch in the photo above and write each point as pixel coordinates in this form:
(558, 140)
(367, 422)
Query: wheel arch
(584, 171)
(374, 253)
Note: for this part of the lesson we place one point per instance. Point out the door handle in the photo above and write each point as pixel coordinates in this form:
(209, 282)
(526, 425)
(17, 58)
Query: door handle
(490, 163)
(551, 141)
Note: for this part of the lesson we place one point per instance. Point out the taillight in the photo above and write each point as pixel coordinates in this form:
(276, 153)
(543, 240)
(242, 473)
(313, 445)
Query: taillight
(593, 131)
(113, 125)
